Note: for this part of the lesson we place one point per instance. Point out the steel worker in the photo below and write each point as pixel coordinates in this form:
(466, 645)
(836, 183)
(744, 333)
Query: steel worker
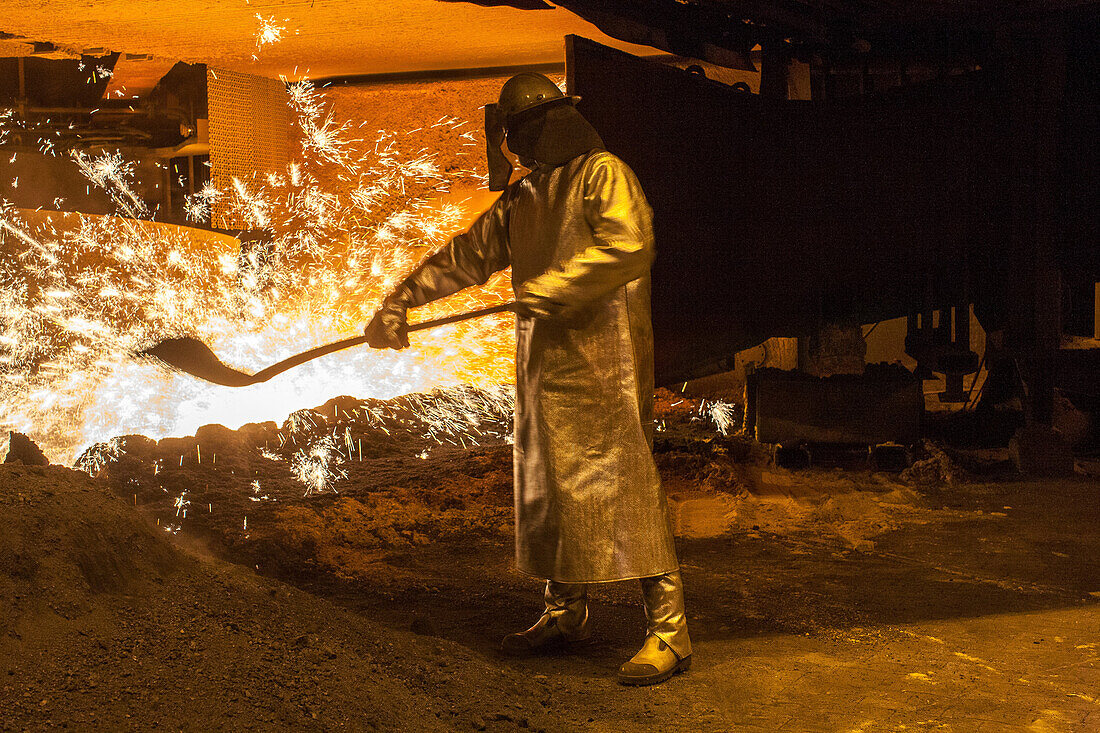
(577, 233)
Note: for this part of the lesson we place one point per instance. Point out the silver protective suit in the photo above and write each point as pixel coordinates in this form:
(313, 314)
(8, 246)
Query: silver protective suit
(579, 239)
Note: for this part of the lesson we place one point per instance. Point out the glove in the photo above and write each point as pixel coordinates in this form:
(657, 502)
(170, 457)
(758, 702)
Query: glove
(388, 329)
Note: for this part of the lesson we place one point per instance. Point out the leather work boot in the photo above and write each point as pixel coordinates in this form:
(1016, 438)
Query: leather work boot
(655, 663)
(565, 620)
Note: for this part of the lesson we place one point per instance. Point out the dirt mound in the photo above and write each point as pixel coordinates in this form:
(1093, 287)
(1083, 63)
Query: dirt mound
(347, 536)
(934, 466)
(120, 614)
(18, 448)
(339, 487)
(64, 540)
(341, 490)
(110, 622)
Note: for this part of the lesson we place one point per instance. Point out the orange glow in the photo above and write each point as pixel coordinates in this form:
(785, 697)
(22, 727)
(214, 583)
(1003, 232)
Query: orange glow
(80, 294)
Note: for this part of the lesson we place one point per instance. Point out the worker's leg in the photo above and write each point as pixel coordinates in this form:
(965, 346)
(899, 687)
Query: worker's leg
(667, 648)
(565, 619)
(567, 604)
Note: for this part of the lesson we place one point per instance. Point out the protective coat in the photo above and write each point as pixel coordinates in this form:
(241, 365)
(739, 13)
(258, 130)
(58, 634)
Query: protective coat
(579, 239)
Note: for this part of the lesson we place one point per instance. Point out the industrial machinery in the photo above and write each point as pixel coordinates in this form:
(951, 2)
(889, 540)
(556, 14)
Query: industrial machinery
(775, 216)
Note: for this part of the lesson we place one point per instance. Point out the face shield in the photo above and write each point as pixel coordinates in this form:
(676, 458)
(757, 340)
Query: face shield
(500, 168)
(550, 132)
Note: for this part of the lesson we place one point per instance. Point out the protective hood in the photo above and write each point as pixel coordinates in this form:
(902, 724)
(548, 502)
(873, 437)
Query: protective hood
(500, 168)
(552, 135)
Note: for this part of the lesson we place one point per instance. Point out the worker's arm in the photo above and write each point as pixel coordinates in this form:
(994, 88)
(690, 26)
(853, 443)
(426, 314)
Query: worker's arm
(620, 217)
(468, 259)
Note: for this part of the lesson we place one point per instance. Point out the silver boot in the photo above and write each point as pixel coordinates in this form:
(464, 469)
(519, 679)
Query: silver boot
(565, 620)
(667, 647)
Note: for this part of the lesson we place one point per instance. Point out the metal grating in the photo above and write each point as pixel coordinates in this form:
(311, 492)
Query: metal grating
(249, 133)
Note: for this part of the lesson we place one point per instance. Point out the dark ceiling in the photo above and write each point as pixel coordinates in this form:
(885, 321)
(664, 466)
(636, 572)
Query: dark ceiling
(723, 30)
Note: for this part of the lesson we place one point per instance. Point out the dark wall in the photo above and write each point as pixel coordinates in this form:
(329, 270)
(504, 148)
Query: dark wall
(57, 82)
(775, 215)
(180, 94)
(33, 181)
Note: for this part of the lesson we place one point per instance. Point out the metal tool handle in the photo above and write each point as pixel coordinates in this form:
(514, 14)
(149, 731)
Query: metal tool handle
(501, 308)
(280, 367)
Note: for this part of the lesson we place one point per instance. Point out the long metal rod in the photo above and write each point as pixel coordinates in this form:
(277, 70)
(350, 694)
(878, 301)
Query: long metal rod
(195, 358)
(279, 367)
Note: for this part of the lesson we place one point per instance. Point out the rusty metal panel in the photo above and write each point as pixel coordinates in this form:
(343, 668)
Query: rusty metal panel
(249, 133)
